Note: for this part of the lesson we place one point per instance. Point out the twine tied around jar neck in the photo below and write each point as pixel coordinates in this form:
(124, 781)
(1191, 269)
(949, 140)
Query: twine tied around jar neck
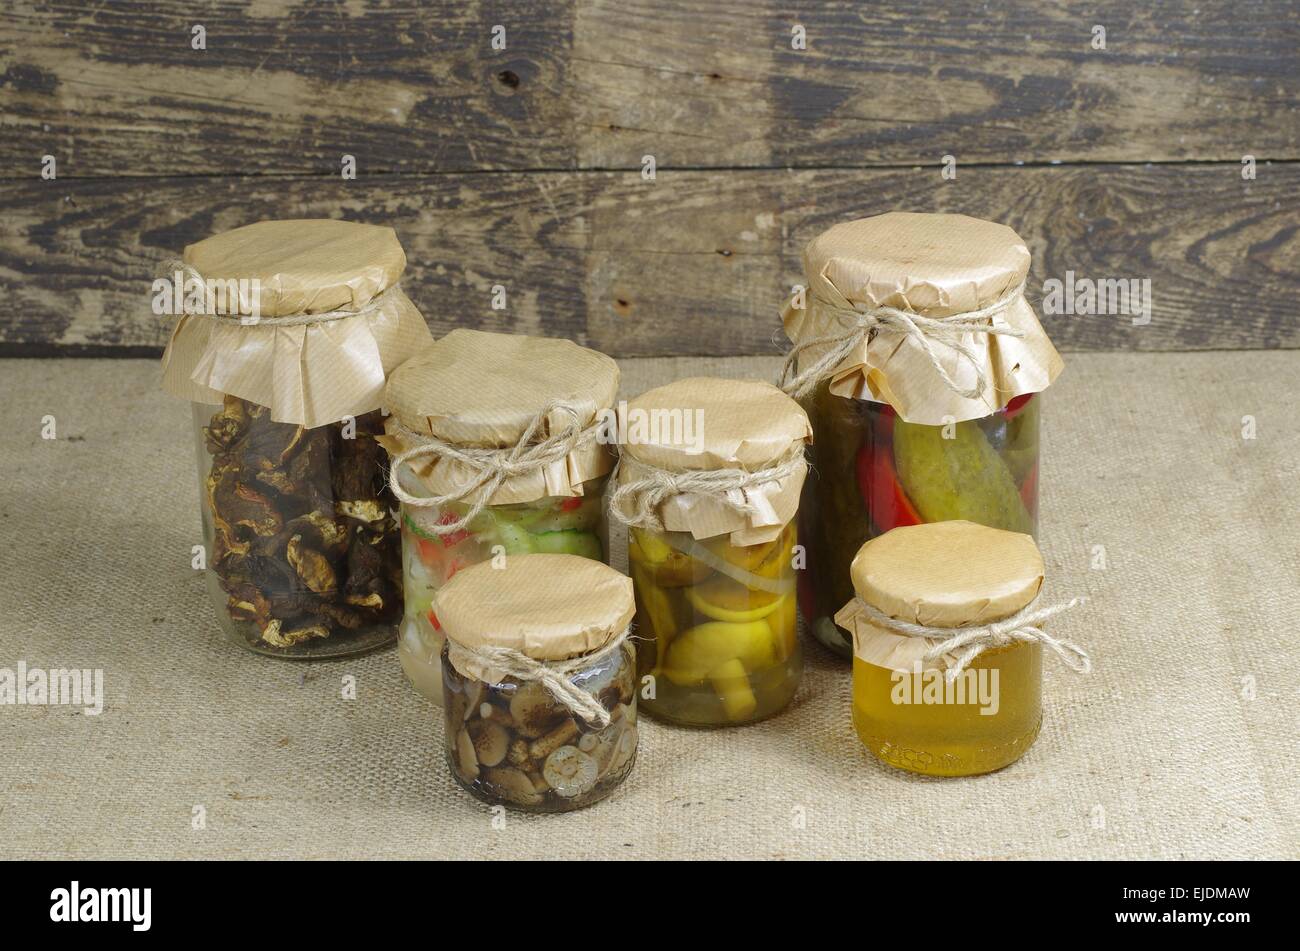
(191, 274)
(636, 501)
(491, 467)
(555, 675)
(971, 641)
(863, 322)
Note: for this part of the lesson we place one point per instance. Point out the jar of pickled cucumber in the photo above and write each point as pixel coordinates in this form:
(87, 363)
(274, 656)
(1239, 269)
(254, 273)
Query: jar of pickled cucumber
(709, 485)
(538, 696)
(502, 445)
(921, 366)
(286, 334)
(948, 642)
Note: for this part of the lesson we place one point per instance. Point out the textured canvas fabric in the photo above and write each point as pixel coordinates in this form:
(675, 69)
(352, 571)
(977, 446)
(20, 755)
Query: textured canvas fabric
(1182, 744)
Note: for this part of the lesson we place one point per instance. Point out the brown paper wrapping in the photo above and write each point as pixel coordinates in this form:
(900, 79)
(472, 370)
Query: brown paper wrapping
(309, 374)
(479, 389)
(548, 607)
(747, 425)
(937, 266)
(941, 574)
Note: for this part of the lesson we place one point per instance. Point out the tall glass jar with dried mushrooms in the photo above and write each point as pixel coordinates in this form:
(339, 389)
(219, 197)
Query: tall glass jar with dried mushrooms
(948, 640)
(286, 331)
(920, 364)
(538, 674)
(499, 448)
(709, 485)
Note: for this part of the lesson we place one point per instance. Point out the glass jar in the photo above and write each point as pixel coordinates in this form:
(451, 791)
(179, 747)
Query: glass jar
(511, 742)
(464, 410)
(711, 504)
(908, 331)
(872, 472)
(573, 525)
(538, 680)
(950, 738)
(302, 319)
(717, 624)
(920, 703)
(303, 557)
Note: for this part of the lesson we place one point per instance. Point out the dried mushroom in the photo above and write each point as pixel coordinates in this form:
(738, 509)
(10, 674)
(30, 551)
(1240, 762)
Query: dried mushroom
(513, 742)
(304, 543)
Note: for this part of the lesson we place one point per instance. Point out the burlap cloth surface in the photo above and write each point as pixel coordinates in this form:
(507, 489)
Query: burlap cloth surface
(1165, 752)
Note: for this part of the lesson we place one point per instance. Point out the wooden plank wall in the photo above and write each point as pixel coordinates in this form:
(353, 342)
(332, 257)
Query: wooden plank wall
(523, 166)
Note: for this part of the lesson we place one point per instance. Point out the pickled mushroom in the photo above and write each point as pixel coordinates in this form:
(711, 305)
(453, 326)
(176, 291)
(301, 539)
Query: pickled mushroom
(570, 772)
(512, 785)
(491, 741)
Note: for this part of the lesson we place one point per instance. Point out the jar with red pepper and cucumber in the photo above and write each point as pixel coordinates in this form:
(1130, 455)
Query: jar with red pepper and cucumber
(711, 502)
(921, 367)
(498, 450)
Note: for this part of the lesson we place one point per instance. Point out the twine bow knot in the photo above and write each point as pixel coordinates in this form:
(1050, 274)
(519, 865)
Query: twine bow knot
(636, 501)
(555, 676)
(969, 642)
(491, 468)
(862, 323)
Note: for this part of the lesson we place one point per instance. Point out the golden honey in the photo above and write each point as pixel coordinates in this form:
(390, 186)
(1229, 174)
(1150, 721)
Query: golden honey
(985, 720)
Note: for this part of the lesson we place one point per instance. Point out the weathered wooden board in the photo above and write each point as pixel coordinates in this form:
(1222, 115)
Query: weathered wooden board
(285, 88)
(693, 262)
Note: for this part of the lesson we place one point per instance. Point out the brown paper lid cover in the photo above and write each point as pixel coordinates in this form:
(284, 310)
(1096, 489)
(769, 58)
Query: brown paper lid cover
(948, 574)
(475, 388)
(547, 606)
(936, 265)
(305, 265)
(746, 424)
(306, 373)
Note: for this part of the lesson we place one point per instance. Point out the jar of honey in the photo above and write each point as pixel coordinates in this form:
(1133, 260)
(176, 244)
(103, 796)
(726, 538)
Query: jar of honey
(948, 644)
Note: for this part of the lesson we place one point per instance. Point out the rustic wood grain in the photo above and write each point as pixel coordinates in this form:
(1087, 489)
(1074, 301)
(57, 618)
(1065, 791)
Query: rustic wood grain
(114, 89)
(691, 263)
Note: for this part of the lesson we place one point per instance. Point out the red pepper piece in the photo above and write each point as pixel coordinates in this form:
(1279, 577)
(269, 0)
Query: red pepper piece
(433, 619)
(1017, 404)
(430, 552)
(569, 504)
(453, 538)
(886, 501)
(1029, 492)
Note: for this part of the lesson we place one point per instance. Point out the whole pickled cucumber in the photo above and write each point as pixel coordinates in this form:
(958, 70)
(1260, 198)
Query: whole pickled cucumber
(958, 478)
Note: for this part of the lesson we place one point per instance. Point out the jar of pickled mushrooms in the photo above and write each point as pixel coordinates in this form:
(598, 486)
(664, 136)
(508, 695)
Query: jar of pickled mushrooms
(499, 447)
(285, 333)
(538, 688)
(709, 485)
(921, 366)
(948, 641)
